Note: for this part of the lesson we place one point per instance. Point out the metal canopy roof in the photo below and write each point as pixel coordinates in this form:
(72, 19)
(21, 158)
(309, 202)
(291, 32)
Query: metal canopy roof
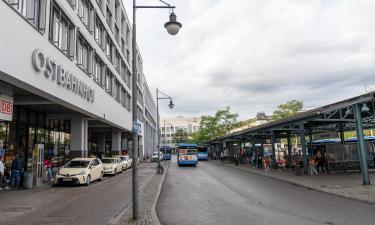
(332, 117)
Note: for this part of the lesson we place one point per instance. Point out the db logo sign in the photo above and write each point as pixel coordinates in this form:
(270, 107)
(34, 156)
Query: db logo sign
(6, 107)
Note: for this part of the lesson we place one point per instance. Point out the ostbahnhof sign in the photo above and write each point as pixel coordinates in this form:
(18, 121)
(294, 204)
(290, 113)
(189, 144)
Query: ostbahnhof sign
(64, 78)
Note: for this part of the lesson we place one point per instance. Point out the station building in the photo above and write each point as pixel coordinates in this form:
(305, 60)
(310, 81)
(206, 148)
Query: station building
(65, 81)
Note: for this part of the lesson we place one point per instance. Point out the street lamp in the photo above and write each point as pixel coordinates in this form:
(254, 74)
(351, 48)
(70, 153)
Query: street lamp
(171, 105)
(172, 27)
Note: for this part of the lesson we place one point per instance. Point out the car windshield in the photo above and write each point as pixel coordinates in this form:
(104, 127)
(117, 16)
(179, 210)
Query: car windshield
(108, 160)
(77, 164)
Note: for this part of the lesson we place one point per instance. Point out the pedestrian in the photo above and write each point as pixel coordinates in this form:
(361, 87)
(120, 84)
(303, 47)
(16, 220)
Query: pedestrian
(221, 157)
(320, 162)
(312, 166)
(260, 161)
(236, 158)
(48, 166)
(2, 171)
(267, 163)
(15, 168)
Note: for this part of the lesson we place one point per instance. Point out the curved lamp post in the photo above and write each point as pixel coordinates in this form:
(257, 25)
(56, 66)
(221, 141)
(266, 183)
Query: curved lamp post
(172, 27)
(171, 105)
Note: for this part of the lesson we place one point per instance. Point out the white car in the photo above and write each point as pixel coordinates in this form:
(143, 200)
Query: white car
(80, 171)
(126, 162)
(112, 165)
(155, 156)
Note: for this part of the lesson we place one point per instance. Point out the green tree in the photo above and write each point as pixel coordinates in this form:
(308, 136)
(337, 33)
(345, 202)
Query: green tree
(215, 126)
(180, 136)
(288, 109)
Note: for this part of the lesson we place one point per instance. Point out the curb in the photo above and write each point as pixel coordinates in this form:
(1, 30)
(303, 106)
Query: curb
(153, 207)
(300, 185)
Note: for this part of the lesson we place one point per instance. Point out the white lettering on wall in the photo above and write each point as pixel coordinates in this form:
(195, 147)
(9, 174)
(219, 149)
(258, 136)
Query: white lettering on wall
(63, 77)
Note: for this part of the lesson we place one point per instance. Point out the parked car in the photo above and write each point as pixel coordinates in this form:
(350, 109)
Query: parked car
(112, 165)
(80, 171)
(126, 162)
(155, 156)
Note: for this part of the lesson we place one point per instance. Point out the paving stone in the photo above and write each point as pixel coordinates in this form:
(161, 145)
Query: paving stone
(148, 191)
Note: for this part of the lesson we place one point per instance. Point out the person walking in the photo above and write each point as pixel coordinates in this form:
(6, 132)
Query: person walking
(48, 165)
(15, 168)
(312, 166)
(320, 162)
(2, 170)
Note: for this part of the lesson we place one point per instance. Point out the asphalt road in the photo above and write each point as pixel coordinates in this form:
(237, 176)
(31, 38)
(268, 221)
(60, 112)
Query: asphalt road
(95, 204)
(215, 194)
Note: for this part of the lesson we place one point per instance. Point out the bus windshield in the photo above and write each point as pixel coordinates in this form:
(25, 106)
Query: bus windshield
(202, 149)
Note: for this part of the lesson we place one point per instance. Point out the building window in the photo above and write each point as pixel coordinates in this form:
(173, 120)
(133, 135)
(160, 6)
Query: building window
(98, 70)
(32, 10)
(61, 32)
(99, 31)
(109, 48)
(117, 61)
(117, 34)
(83, 54)
(72, 3)
(123, 46)
(108, 81)
(109, 18)
(85, 10)
(116, 90)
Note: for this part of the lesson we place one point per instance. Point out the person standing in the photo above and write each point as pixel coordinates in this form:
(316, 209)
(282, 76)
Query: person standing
(15, 168)
(48, 165)
(2, 170)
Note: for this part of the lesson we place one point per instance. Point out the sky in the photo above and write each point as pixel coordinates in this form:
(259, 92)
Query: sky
(254, 55)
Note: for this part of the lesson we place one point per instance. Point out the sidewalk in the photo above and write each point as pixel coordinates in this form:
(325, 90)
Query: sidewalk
(148, 196)
(347, 184)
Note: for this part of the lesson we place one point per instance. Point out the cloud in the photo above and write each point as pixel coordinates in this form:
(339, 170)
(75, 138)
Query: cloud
(254, 55)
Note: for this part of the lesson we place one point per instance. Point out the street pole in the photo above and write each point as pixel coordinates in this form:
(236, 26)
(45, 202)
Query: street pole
(164, 142)
(158, 121)
(134, 110)
(135, 119)
(172, 27)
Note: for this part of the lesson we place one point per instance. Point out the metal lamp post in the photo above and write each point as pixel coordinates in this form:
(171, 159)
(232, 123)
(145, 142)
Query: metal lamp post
(172, 27)
(171, 105)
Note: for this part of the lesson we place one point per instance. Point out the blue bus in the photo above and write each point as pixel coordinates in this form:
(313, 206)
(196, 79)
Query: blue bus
(187, 154)
(202, 153)
(344, 156)
(167, 152)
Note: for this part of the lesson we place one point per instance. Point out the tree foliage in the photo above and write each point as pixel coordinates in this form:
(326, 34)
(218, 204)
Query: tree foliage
(288, 109)
(180, 136)
(215, 126)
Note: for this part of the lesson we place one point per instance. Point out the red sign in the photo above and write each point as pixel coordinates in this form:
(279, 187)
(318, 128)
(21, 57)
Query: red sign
(6, 107)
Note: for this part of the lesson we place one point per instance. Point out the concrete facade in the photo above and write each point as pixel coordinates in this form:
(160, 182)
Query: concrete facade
(71, 61)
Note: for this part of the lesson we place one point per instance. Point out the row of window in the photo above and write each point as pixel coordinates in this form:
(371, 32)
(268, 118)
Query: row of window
(62, 35)
(173, 129)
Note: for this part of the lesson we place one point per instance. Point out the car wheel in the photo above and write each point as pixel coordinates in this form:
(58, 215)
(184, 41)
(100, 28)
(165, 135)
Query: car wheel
(101, 177)
(88, 180)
